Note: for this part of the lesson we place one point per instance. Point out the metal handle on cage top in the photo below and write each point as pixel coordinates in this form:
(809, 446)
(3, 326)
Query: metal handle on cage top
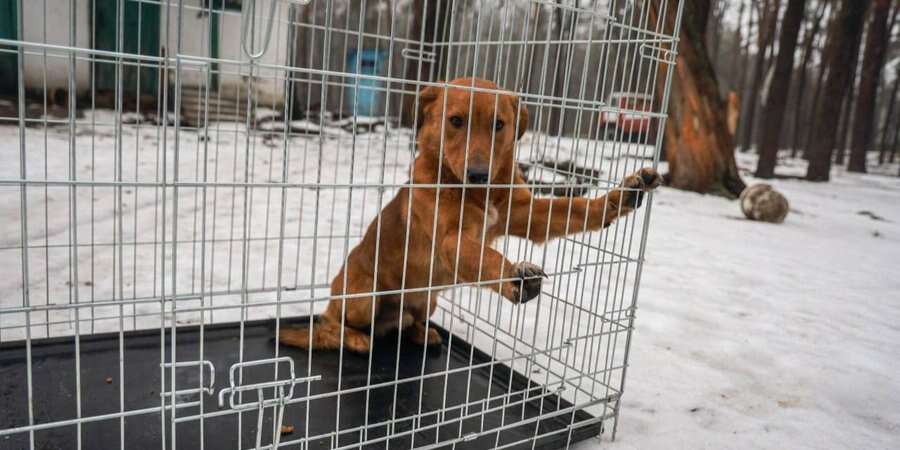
(248, 12)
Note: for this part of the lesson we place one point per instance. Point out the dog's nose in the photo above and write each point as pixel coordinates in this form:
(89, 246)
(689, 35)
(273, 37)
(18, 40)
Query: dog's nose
(478, 176)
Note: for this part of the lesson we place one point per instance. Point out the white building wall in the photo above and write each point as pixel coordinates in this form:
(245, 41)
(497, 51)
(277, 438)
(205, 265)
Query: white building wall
(194, 30)
(51, 25)
(233, 79)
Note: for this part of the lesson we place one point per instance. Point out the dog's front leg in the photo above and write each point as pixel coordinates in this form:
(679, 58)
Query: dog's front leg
(541, 219)
(475, 262)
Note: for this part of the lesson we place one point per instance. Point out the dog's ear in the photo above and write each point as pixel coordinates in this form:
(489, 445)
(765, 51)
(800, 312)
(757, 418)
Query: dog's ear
(523, 116)
(426, 97)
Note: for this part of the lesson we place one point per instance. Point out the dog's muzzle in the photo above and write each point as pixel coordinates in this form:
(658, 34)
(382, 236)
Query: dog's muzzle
(478, 176)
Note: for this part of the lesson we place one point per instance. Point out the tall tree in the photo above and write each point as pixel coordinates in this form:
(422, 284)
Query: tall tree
(436, 15)
(777, 95)
(809, 41)
(817, 96)
(844, 31)
(847, 111)
(895, 146)
(893, 102)
(889, 116)
(717, 11)
(768, 20)
(744, 53)
(564, 29)
(873, 62)
(896, 143)
(699, 148)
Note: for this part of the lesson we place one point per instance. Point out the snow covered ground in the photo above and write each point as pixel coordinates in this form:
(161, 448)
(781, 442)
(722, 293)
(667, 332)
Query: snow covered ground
(749, 335)
(752, 335)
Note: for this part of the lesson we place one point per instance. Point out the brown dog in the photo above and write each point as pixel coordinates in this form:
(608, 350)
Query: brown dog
(480, 130)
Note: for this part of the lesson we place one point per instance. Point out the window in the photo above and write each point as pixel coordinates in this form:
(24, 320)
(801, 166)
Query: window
(230, 5)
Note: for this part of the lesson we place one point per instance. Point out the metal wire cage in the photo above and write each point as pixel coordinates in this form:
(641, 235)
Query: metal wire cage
(183, 179)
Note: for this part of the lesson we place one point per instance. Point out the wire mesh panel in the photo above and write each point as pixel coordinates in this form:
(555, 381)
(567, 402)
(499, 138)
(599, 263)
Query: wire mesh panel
(316, 224)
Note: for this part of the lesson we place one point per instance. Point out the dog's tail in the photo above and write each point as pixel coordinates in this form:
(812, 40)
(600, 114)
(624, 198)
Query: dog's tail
(325, 336)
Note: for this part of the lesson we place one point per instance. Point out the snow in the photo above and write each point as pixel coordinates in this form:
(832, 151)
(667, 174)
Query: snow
(749, 335)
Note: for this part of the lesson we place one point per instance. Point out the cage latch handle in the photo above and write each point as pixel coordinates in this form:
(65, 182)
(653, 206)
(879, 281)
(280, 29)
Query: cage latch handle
(208, 390)
(248, 14)
(282, 390)
(419, 55)
(658, 53)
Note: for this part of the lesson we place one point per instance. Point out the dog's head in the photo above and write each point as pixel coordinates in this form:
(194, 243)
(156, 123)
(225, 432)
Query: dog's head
(479, 128)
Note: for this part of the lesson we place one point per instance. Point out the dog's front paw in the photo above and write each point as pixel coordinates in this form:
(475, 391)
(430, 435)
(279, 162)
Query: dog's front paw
(528, 286)
(644, 180)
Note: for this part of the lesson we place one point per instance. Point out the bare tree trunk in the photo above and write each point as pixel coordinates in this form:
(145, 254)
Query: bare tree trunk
(873, 63)
(699, 148)
(436, 22)
(896, 145)
(718, 9)
(414, 69)
(809, 41)
(767, 24)
(743, 57)
(776, 98)
(893, 99)
(846, 118)
(564, 29)
(888, 118)
(849, 105)
(844, 31)
(817, 96)
(300, 84)
(738, 37)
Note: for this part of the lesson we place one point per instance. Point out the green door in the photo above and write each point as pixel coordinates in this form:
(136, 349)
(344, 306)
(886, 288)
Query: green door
(9, 67)
(215, 16)
(215, 10)
(141, 36)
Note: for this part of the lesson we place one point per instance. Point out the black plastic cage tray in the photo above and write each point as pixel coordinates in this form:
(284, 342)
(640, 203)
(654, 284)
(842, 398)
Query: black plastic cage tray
(419, 421)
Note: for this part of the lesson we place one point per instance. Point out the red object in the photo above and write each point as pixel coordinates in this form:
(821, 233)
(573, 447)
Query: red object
(624, 115)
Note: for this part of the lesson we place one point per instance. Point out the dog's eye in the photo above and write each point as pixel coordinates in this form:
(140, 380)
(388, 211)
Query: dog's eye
(456, 121)
(498, 125)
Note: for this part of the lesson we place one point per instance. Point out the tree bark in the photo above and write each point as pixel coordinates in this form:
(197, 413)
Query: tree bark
(846, 118)
(767, 23)
(738, 36)
(849, 105)
(892, 100)
(810, 38)
(559, 61)
(717, 11)
(742, 57)
(436, 21)
(873, 63)
(844, 32)
(776, 98)
(896, 145)
(817, 96)
(699, 148)
(888, 118)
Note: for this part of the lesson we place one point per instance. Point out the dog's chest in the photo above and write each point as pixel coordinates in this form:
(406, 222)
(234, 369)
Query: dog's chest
(492, 216)
(491, 219)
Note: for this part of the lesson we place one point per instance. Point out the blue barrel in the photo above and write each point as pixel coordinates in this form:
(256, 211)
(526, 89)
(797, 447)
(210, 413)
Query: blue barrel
(363, 96)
